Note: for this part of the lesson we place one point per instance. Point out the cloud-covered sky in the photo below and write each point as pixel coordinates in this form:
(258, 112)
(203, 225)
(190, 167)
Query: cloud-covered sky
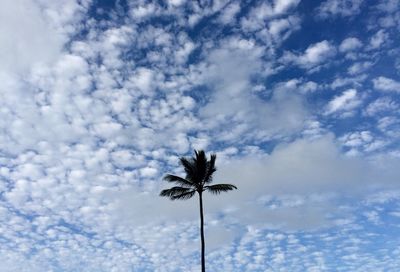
(299, 99)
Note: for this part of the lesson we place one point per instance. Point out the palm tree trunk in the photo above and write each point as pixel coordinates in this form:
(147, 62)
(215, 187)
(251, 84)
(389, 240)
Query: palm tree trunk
(203, 262)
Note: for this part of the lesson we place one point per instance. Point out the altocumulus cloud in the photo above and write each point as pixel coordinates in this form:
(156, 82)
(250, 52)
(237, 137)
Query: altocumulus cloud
(100, 99)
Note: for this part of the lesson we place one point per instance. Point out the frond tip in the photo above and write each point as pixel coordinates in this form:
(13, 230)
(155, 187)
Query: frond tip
(178, 193)
(181, 181)
(184, 196)
(210, 169)
(219, 188)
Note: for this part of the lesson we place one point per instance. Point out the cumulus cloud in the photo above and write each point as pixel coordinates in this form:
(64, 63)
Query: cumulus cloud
(381, 105)
(286, 181)
(293, 173)
(363, 140)
(359, 67)
(389, 6)
(378, 39)
(291, 169)
(281, 29)
(27, 37)
(346, 102)
(315, 55)
(276, 172)
(95, 111)
(350, 44)
(230, 76)
(386, 84)
(281, 6)
(344, 8)
(298, 85)
(228, 14)
(266, 11)
(276, 8)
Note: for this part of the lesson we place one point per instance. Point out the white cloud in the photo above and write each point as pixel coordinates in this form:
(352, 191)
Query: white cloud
(148, 172)
(281, 6)
(79, 144)
(294, 174)
(346, 102)
(266, 11)
(390, 21)
(389, 5)
(362, 140)
(345, 8)
(228, 14)
(88, 127)
(298, 85)
(230, 75)
(281, 29)
(389, 125)
(141, 12)
(382, 105)
(313, 130)
(276, 173)
(386, 84)
(350, 44)
(378, 39)
(356, 81)
(176, 2)
(292, 169)
(182, 53)
(359, 67)
(357, 138)
(315, 55)
(143, 80)
(26, 37)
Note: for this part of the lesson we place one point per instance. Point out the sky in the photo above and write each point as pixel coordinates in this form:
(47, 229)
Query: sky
(299, 99)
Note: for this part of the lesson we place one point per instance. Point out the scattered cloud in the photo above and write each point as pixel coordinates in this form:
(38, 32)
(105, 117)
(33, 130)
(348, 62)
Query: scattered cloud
(344, 103)
(314, 56)
(99, 100)
(265, 11)
(381, 105)
(230, 74)
(27, 37)
(350, 44)
(386, 84)
(229, 13)
(378, 39)
(344, 8)
(359, 67)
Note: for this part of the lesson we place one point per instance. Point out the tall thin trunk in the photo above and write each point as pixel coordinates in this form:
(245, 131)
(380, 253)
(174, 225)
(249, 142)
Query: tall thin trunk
(203, 262)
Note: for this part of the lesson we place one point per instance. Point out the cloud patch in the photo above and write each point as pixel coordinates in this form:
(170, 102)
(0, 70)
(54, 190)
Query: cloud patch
(344, 103)
(386, 84)
(315, 55)
(350, 44)
(344, 8)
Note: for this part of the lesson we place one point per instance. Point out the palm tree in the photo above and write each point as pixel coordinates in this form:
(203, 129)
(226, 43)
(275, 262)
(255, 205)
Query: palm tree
(199, 174)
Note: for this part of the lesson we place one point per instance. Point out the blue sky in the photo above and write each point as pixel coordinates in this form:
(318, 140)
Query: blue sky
(298, 99)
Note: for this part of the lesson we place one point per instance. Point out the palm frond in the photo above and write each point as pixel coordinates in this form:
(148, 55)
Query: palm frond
(210, 168)
(174, 191)
(219, 188)
(189, 167)
(201, 164)
(179, 180)
(184, 196)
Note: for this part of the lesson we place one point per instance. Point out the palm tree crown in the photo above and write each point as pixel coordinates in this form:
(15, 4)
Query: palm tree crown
(199, 174)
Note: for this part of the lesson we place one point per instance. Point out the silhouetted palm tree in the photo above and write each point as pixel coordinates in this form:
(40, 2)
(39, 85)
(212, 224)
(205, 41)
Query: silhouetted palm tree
(199, 173)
